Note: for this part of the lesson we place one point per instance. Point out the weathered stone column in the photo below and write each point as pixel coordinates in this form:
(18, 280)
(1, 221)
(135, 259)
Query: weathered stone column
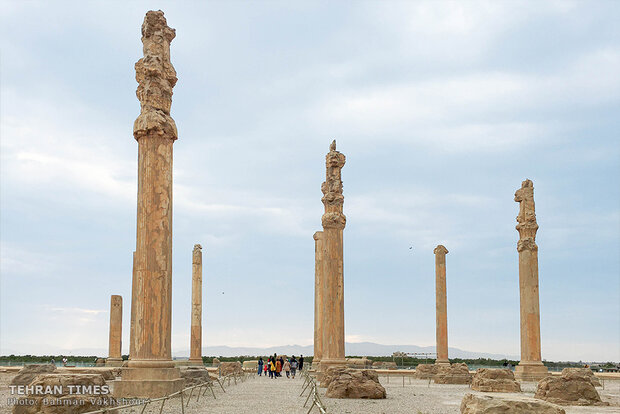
(151, 371)
(195, 353)
(134, 291)
(441, 305)
(333, 266)
(318, 298)
(116, 328)
(531, 367)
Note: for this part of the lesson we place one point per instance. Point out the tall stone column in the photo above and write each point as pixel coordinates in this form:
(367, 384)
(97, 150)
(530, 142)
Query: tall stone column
(195, 353)
(333, 266)
(531, 367)
(116, 328)
(441, 305)
(134, 291)
(151, 371)
(318, 298)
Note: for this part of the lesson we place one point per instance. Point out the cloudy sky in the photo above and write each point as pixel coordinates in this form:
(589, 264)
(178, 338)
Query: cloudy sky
(441, 108)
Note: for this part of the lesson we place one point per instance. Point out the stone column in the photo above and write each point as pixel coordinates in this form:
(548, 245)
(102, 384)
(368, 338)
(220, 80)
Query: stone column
(132, 321)
(441, 305)
(195, 353)
(333, 267)
(531, 367)
(116, 328)
(318, 298)
(151, 371)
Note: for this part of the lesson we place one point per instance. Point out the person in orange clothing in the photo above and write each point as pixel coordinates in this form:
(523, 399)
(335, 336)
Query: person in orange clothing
(278, 368)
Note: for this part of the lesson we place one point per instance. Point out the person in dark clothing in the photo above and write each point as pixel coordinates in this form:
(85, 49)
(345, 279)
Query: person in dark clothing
(301, 363)
(260, 366)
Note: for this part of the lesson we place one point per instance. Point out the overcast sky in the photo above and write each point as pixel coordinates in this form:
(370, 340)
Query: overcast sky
(441, 108)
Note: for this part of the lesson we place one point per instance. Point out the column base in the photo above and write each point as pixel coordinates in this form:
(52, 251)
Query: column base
(148, 382)
(442, 362)
(531, 371)
(195, 362)
(114, 362)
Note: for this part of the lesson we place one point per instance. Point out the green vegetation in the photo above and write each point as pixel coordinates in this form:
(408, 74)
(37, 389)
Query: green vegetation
(45, 358)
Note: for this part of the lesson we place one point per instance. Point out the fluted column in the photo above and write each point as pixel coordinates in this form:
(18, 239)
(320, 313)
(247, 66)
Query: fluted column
(531, 366)
(134, 291)
(318, 298)
(195, 355)
(333, 222)
(441, 305)
(116, 328)
(151, 371)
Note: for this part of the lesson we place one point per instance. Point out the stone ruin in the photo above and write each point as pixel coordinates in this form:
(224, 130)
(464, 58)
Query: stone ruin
(484, 404)
(195, 376)
(571, 388)
(452, 374)
(216, 362)
(352, 383)
(495, 380)
(384, 365)
(359, 362)
(227, 368)
(425, 371)
(29, 372)
(582, 372)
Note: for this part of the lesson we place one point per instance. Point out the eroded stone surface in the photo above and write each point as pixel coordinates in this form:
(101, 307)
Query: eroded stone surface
(483, 404)
(581, 372)
(531, 366)
(441, 305)
(425, 371)
(230, 368)
(457, 373)
(195, 376)
(151, 371)
(196, 317)
(568, 390)
(354, 383)
(29, 372)
(333, 221)
(116, 331)
(318, 297)
(494, 380)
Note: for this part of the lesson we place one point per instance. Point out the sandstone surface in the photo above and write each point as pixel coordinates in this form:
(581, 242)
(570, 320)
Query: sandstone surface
(425, 371)
(230, 368)
(495, 380)
(28, 372)
(354, 383)
(195, 376)
(452, 374)
(568, 390)
(581, 372)
(482, 404)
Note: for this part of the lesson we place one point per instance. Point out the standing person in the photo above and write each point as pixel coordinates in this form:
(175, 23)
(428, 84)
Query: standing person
(287, 368)
(64, 361)
(301, 363)
(278, 367)
(293, 366)
(266, 369)
(272, 368)
(260, 366)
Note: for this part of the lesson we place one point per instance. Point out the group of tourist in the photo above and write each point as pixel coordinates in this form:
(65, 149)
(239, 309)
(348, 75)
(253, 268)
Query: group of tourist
(274, 366)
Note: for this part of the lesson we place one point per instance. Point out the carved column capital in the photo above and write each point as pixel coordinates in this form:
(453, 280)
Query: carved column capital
(527, 244)
(156, 77)
(334, 221)
(197, 254)
(440, 250)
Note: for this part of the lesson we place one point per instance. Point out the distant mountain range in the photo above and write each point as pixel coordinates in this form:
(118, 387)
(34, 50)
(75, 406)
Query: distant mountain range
(351, 348)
